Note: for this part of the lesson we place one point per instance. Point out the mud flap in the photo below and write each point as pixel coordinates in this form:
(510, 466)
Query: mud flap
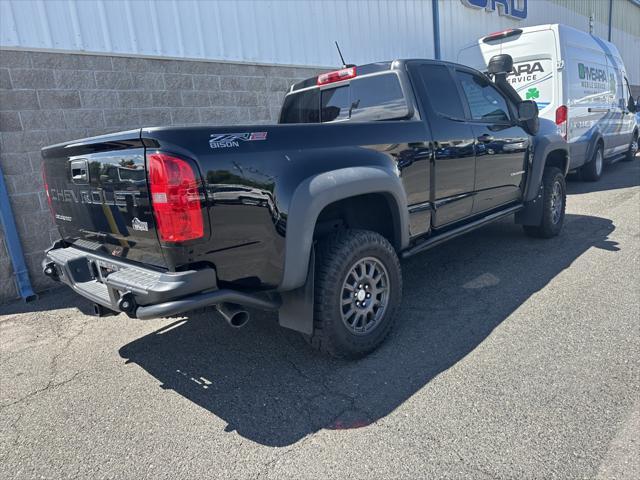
(296, 311)
(531, 214)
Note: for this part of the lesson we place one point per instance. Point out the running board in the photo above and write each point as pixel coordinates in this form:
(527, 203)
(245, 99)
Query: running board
(461, 230)
(616, 158)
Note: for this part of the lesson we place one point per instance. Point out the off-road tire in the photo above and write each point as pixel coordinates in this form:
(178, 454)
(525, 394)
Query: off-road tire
(550, 226)
(336, 255)
(590, 171)
(633, 149)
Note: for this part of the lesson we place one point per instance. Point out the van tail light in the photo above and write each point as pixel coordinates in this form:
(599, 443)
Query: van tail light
(337, 76)
(562, 116)
(176, 198)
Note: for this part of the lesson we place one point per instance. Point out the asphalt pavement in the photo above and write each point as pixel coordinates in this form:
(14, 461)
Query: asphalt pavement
(513, 358)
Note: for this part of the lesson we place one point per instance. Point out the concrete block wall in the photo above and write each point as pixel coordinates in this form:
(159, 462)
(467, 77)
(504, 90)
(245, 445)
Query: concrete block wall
(47, 98)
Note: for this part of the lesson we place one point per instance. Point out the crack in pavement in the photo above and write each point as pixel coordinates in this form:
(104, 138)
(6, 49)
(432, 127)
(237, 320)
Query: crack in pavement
(49, 386)
(279, 456)
(322, 383)
(16, 435)
(53, 369)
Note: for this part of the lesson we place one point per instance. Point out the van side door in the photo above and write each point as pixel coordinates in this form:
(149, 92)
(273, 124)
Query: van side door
(453, 163)
(501, 145)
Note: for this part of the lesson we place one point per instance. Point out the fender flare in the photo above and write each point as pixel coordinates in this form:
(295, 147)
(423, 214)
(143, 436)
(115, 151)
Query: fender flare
(543, 146)
(318, 191)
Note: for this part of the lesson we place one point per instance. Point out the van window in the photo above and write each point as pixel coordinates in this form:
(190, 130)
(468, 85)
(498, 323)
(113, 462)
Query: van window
(486, 103)
(441, 90)
(365, 99)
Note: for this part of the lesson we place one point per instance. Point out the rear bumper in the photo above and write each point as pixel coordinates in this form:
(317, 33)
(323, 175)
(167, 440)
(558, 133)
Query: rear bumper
(140, 292)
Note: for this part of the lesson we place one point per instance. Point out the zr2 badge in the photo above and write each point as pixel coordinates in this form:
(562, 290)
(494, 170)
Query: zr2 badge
(230, 140)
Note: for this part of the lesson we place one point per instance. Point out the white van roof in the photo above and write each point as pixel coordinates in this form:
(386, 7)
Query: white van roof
(565, 34)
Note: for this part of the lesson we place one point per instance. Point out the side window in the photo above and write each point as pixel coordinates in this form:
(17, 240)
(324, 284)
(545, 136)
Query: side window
(486, 103)
(627, 91)
(441, 90)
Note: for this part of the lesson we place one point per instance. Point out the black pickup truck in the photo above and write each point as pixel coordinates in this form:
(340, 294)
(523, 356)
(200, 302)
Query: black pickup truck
(308, 217)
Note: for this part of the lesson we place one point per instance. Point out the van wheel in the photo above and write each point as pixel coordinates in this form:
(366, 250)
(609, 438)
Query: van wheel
(592, 171)
(554, 201)
(633, 149)
(358, 287)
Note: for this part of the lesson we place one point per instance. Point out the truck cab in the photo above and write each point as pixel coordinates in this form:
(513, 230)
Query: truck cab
(474, 151)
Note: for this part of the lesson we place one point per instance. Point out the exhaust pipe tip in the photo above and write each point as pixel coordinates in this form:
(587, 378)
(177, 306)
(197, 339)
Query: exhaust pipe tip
(235, 316)
(239, 319)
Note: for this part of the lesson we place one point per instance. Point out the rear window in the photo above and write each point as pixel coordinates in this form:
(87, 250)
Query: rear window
(373, 98)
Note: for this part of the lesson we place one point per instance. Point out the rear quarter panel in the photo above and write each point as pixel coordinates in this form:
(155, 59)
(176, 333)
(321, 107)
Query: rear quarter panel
(250, 184)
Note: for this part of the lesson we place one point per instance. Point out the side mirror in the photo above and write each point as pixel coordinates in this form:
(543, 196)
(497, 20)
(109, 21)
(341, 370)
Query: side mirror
(527, 110)
(498, 64)
(631, 105)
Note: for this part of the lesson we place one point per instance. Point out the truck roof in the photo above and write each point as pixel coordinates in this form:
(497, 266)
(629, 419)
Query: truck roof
(366, 69)
(361, 69)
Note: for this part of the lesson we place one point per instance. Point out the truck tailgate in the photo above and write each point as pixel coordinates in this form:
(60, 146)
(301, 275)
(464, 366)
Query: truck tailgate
(98, 193)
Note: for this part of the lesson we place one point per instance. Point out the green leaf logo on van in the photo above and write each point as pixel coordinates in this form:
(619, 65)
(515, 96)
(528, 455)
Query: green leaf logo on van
(532, 93)
(581, 72)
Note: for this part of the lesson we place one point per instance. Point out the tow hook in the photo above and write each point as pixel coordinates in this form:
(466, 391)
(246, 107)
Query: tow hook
(127, 304)
(51, 271)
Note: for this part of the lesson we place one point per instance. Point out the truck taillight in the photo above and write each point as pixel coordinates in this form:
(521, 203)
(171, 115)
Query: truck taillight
(175, 198)
(337, 76)
(46, 190)
(562, 115)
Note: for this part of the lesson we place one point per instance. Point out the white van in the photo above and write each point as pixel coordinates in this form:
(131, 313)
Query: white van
(578, 81)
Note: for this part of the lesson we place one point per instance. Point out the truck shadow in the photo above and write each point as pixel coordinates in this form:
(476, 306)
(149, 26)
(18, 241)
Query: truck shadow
(271, 388)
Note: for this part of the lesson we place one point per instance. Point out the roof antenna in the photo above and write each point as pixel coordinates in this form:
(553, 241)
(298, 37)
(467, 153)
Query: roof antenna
(344, 64)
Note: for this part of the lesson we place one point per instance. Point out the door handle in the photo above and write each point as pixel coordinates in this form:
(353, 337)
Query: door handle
(485, 138)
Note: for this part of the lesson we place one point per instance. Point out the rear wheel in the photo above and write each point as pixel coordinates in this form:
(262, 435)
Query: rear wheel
(554, 200)
(358, 288)
(633, 149)
(592, 171)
